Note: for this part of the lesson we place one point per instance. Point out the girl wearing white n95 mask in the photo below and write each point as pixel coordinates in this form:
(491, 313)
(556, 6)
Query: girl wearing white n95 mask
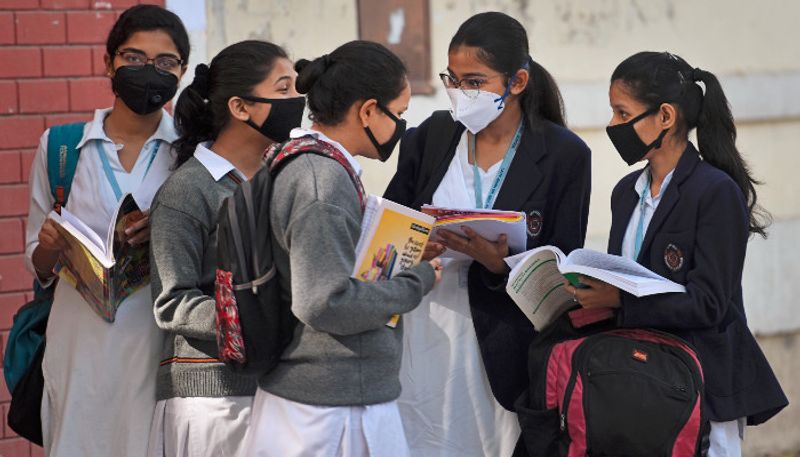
(503, 146)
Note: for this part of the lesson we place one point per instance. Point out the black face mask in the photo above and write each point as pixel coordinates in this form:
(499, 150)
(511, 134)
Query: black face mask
(385, 150)
(143, 88)
(629, 146)
(285, 114)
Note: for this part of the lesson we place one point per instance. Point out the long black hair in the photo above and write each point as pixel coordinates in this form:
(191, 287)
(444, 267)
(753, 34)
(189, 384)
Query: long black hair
(358, 70)
(202, 108)
(503, 45)
(654, 78)
(143, 18)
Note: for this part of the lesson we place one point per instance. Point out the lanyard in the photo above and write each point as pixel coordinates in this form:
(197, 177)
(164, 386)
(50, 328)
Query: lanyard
(640, 226)
(153, 145)
(501, 173)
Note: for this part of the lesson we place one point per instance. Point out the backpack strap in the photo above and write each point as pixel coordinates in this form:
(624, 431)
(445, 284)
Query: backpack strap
(280, 156)
(62, 159)
(439, 141)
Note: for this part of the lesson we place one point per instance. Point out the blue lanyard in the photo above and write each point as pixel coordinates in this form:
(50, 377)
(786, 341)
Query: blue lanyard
(153, 145)
(640, 227)
(501, 173)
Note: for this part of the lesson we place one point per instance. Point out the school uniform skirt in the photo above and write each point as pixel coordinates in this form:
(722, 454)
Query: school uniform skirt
(284, 428)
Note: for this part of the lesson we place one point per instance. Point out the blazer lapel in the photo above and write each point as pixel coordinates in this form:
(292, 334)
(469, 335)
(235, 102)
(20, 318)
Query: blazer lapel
(686, 164)
(524, 175)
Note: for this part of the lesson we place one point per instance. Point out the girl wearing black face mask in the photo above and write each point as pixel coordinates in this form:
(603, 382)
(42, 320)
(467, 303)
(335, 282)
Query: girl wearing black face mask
(230, 114)
(99, 390)
(687, 216)
(503, 145)
(335, 387)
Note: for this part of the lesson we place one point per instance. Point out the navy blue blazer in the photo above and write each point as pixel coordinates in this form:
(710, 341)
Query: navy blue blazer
(550, 180)
(698, 237)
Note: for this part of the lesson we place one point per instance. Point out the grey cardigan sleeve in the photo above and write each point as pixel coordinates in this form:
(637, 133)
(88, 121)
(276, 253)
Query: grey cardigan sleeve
(322, 227)
(176, 267)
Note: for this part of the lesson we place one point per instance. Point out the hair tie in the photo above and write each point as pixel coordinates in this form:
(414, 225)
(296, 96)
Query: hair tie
(200, 81)
(697, 74)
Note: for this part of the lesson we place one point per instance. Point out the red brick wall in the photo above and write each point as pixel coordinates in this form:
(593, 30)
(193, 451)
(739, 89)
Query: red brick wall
(51, 72)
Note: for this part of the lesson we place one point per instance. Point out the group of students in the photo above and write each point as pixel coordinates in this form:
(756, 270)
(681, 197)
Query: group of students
(444, 382)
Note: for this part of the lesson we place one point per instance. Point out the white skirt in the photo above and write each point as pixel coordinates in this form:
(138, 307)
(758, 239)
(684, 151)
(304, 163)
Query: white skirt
(99, 377)
(284, 428)
(199, 427)
(447, 404)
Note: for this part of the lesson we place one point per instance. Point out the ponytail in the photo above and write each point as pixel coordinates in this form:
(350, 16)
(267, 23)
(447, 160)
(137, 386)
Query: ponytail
(716, 140)
(542, 98)
(193, 117)
(503, 46)
(202, 108)
(654, 78)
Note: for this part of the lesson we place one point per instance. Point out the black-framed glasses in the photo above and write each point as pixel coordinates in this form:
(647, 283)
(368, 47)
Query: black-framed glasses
(164, 63)
(471, 86)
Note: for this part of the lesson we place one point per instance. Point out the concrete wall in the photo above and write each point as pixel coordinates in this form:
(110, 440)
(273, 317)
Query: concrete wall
(751, 46)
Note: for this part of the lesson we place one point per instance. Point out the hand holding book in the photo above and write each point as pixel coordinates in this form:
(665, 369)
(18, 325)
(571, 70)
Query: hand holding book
(594, 293)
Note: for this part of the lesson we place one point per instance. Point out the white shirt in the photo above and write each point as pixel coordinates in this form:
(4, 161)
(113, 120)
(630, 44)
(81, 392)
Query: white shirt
(217, 165)
(301, 132)
(447, 404)
(650, 205)
(89, 178)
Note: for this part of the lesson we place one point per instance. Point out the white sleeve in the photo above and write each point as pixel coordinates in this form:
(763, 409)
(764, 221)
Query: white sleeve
(41, 204)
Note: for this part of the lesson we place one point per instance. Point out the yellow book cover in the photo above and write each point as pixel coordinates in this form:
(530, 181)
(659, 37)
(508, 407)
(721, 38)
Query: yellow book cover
(393, 238)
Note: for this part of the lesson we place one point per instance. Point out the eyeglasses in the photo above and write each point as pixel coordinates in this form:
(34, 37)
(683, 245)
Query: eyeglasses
(139, 59)
(469, 86)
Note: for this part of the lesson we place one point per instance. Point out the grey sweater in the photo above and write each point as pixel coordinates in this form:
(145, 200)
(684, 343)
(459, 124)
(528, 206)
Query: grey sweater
(342, 353)
(183, 259)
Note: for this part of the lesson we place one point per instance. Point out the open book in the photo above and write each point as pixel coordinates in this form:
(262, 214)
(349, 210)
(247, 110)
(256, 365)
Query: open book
(393, 238)
(104, 271)
(488, 223)
(537, 276)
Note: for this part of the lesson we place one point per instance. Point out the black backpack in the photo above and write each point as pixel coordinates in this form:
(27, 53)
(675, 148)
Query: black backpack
(254, 323)
(600, 390)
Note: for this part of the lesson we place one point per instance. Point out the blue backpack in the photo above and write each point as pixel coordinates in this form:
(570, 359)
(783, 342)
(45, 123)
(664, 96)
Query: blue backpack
(22, 362)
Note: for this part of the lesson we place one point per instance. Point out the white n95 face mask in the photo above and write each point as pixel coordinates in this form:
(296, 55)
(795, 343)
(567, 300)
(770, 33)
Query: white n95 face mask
(476, 111)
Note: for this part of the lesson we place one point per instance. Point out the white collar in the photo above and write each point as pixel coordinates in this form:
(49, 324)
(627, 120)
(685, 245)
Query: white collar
(300, 132)
(641, 183)
(165, 131)
(217, 165)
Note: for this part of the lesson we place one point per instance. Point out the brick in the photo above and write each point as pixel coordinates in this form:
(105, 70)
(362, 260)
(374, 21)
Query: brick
(90, 93)
(67, 61)
(9, 304)
(19, 4)
(88, 27)
(15, 277)
(7, 28)
(41, 27)
(10, 172)
(20, 131)
(14, 200)
(36, 451)
(17, 450)
(8, 97)
(5, 395)
(67, 118)
(114, 4)
(98, 61)
(65, 4)
(13, 240)
(20, 62)
(43, 96)
(26, 159)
